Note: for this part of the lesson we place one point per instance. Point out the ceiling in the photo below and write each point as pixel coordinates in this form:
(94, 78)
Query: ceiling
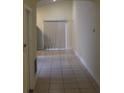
(44, 2)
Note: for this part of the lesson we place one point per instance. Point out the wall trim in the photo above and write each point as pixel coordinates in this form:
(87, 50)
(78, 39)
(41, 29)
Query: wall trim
(55, 20)
(84, 63)
(38, 49)
(56, 49)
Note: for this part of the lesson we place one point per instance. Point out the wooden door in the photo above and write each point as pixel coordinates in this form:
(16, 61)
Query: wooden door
(25, 51)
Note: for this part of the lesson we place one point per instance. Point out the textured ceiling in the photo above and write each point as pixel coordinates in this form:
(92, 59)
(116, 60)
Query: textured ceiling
(44, 2)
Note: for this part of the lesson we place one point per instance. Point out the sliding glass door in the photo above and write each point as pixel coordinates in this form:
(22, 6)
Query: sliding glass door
(54, 35)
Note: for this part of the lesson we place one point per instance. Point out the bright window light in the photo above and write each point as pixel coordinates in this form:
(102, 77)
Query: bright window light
(54, 0)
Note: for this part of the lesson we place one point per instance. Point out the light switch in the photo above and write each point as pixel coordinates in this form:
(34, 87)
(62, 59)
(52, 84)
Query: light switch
(94, 30)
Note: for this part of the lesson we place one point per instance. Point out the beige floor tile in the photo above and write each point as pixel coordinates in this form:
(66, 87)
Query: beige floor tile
(70, 86)
(56, 91)
(82, 79)
(56, 86)
(56, 77)
(72, 82)
(43, 86)
(44, 91)
(56, 81)
(85, 85)
(41, 91)
(62, 72)
(69, 78)
(40, 79)
(72, 91)
(89, 91)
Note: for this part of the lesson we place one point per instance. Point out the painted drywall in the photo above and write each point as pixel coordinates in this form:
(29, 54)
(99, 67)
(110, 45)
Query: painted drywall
(30, 3)
(40, 38)
(86, 41)
(56, 11)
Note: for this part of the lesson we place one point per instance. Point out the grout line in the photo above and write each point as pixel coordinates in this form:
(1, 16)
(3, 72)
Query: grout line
(76, 79)
(62, 72)
(84, 64)
(90, 78)
(50, 74)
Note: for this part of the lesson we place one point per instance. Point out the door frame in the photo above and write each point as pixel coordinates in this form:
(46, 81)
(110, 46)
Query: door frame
(66, 34)
(28, 9)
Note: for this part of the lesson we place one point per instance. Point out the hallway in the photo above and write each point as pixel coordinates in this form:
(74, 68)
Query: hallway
(62, 72)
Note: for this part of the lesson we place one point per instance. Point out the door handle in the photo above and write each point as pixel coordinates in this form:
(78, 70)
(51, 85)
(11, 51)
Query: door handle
(24, 45)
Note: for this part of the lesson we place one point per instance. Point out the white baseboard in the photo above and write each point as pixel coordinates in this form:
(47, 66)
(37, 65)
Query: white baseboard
(56, 49)
(84, 63)
(81, 59)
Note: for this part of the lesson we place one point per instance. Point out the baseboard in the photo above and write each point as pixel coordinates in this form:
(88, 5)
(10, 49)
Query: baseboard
(84, 63)
(40, 49)
(56, 49)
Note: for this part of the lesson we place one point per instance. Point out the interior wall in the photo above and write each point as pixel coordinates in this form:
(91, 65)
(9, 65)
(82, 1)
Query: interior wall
(30, 3)
(56, 11)
(86, 41)
(39, 39)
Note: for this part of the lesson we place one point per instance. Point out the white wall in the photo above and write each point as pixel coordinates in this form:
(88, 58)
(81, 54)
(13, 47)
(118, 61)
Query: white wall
(86, 42)
(56, 11)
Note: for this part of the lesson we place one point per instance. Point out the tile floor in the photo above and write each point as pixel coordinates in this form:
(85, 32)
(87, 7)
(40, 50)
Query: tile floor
(62, 72)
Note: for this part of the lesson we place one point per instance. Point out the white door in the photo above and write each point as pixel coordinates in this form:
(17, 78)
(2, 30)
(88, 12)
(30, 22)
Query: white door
(54, 34)
(25, 51)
